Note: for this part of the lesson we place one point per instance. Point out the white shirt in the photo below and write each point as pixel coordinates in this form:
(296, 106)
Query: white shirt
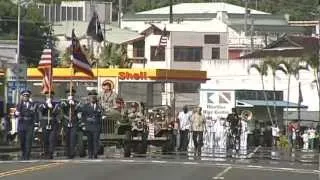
(275, 131)
(185, 120)
(312, 134)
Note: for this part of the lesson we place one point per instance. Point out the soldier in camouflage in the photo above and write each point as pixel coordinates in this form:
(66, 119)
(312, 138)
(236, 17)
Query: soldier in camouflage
(108, 97)
(136, 117)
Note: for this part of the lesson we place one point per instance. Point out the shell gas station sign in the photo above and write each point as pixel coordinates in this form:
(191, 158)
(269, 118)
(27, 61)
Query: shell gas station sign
(123, 75)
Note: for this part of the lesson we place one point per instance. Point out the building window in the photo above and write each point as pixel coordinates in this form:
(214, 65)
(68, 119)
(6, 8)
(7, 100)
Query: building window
(57, 13)
(74, 14)
(212, 39)
(186, 87)
(63, 13)
(157, 53)
(69, 13)
(190, 54)
(215, 53)
(80, 13)
(138, 49)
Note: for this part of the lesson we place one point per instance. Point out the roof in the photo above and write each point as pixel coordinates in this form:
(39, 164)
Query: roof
(252, 103)
(270, 28)
(194, 8)
(287, 46)
(212, 26)
(113, 34)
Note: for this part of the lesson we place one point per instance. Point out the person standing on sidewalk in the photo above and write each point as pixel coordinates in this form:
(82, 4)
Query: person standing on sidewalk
(198, 125)
(184, 118)
(26, 113)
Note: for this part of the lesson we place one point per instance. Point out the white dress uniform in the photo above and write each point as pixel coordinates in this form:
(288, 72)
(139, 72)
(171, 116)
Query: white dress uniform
(243, 138)
(220, 148)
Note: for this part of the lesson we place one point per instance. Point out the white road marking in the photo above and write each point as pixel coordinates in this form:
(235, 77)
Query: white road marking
(153, 161)
(186, 163)
(220, 175)
(252, 166)
(190, 163)
(254, 151)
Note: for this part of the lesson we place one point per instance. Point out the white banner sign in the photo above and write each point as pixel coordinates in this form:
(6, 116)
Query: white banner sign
(217, 104)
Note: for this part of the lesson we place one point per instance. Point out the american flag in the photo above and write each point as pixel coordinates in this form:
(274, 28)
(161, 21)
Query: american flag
(79, 59)
(45, 67)
(163, 41)
(163, 38)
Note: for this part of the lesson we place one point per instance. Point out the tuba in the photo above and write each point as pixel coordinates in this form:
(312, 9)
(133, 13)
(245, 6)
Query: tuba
(246, 115)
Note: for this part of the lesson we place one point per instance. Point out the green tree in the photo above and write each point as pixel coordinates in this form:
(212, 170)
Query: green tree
(262, 69)
(274, 65)
(292, 68)
(114, 55)
(32, 26)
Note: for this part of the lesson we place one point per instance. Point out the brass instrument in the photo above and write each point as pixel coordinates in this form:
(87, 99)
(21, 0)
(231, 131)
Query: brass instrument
(246, 115)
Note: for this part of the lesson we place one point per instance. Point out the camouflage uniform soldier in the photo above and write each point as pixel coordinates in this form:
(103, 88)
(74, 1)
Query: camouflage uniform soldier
(136, 117)
(70, 122)
(108, 97)
(50, 126)
(27, 118)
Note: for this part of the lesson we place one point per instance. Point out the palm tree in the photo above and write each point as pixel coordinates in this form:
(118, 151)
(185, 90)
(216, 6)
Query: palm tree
(274, 65)
(262, 69)
(293, 68)
(65, 58)
(115, 55)
(313, 64)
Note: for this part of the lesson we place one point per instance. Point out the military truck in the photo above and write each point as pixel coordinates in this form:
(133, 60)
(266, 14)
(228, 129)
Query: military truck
(126, 128)
(161, 119)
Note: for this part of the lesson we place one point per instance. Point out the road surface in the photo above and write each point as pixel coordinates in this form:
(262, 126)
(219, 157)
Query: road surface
(137, 169)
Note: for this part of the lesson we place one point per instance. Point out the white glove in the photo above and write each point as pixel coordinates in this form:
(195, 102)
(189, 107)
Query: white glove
(104, 117)
(70, 98)
(30, 100)
(79, 115)
(71, 102)
(49, 105)
(17, 113)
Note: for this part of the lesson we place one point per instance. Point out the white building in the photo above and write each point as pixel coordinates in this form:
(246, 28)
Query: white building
(263, 26)
(227, 21)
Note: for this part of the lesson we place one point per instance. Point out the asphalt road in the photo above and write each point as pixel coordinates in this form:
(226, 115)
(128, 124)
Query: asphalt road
(137, 169)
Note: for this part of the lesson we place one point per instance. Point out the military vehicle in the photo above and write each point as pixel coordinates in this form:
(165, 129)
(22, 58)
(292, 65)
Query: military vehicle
(162, 120)
(125, 126)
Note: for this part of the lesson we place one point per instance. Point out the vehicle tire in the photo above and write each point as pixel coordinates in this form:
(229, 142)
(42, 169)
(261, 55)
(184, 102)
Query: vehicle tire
(142, 146)
(127, 144)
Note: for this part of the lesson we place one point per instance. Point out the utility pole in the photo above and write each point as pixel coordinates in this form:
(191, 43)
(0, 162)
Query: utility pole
(18, 37)
(252, 34)
(120, 13)
(246, 17)
(171, 13)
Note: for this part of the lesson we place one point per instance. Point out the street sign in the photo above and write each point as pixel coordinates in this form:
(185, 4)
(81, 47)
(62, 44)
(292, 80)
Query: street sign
(18, 72)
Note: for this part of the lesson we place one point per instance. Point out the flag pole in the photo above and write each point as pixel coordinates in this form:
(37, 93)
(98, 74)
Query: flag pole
(51, 73)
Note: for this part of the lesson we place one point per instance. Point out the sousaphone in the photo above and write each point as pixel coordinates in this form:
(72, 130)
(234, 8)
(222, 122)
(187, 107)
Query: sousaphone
(246, 115)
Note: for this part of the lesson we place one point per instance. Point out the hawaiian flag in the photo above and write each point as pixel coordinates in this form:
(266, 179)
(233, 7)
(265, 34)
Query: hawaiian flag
(79, 60)
(45, 67)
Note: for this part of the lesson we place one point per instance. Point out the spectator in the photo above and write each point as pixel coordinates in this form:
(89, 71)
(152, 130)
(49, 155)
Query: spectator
(184, 118)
